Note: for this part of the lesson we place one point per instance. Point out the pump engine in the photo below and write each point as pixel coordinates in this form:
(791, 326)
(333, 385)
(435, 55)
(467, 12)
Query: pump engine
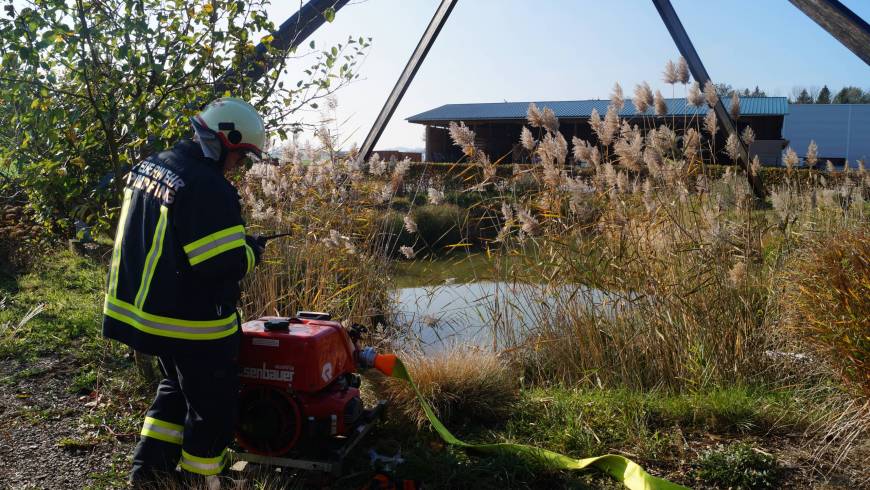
(299, 387)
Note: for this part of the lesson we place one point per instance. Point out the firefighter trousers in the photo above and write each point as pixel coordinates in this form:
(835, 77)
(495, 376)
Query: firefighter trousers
(191, 421)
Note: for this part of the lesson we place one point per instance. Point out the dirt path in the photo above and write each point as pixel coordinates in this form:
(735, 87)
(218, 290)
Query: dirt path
(49, 437)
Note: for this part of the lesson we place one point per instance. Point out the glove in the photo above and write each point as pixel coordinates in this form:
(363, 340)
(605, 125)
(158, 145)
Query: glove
(257, 244)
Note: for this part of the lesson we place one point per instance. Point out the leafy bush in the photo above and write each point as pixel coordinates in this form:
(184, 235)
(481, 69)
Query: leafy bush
(441, 226)
(90, 88)
(738, 466)
(21, 237)
(392, 226)
(826, 302)
(437, 227)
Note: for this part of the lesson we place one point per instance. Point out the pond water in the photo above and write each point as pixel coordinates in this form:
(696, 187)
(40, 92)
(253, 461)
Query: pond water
(449, 302)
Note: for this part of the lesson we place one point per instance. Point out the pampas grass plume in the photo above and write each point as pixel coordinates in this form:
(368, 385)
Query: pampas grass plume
(660, 105)
(670, 74)
(695, 98)
(711, 123)
(616, 97)
(812, 154)
(734, 110)
(710, 94)
(682, 71)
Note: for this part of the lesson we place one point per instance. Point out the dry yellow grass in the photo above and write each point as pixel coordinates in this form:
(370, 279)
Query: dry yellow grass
(461, 384)
(826, 303)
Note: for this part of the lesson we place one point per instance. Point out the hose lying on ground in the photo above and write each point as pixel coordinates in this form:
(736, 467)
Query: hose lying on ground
(623, 469)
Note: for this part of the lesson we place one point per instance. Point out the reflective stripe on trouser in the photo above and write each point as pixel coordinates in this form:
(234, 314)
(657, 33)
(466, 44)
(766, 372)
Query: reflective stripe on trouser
(162, 430)
(170, 327)
(154, 454)
(201, 391)
(215, 244)
(203, 466)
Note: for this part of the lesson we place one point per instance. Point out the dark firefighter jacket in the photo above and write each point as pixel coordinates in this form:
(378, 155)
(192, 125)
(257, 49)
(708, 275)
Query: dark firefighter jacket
(180, 251)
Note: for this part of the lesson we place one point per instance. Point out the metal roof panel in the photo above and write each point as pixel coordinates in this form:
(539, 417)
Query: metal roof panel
(568, 109)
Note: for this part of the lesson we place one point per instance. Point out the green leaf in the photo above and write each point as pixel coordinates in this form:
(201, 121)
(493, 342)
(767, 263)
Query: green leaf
(329, 14)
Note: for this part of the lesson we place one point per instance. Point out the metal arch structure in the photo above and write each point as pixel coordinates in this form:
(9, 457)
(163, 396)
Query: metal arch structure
(852, 31)
(417, 57)
(699, 73)
(838, 20)
(290, 34)
(843, 24)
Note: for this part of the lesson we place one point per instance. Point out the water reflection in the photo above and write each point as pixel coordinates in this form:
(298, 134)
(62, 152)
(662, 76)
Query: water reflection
(488, 314)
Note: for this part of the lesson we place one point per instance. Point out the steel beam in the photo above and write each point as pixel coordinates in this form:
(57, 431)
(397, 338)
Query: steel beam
(846, 26)
(407, 76)
(290, 34)
(699, 73)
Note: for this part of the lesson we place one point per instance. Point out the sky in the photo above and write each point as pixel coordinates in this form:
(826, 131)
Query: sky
(523, 50)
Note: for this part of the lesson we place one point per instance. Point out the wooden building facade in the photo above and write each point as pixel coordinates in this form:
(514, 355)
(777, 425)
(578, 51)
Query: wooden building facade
(498, 126)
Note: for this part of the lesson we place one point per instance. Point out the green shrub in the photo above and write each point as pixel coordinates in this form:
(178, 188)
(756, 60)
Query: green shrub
(68, 151)
(440, 226)
(392, 227)
(738, 466)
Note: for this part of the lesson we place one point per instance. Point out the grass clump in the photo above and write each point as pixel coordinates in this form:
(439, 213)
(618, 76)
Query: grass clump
(586, 421)
(739, 466)
(461, 385)
(827, 303)
(67, 291)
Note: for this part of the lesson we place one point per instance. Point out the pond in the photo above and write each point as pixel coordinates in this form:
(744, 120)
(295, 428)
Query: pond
(460, 301)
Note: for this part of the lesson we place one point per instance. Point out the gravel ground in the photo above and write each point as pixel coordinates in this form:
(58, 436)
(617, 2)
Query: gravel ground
(46, 441)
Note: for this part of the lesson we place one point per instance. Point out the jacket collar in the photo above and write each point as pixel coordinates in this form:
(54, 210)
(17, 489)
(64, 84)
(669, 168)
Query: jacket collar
(192, 150)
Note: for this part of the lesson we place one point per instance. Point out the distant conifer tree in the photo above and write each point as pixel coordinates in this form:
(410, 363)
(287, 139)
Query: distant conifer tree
(824, 96)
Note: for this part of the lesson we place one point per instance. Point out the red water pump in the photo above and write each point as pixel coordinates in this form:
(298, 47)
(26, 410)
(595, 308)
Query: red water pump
(299, 387)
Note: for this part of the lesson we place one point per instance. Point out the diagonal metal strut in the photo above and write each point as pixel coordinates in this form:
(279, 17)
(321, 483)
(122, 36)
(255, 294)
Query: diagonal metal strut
(846, 26)
(699, 73)
(290, 34)
(407, 75)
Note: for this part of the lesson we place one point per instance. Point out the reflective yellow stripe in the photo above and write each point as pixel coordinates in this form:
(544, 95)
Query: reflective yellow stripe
(249, 253)
(215, 249)
(119, 237)
(170, 327)
(164, 424)
(214, 236)
(152, 258)
(203, 466)
(215, 244)
(164, 431)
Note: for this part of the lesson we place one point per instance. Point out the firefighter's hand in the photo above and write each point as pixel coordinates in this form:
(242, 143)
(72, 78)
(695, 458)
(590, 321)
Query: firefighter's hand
(257, 244)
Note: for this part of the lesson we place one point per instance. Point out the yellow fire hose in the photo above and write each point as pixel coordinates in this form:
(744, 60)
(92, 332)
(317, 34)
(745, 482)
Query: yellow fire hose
(623, 469)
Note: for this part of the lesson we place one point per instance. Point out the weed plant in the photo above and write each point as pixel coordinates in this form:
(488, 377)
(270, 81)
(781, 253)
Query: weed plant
(739, 466)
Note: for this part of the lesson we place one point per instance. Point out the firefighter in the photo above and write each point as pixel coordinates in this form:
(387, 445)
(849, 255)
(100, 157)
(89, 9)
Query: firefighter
(173, 284)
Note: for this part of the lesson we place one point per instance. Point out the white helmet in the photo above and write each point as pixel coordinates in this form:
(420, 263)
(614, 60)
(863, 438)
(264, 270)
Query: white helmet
(236, 123)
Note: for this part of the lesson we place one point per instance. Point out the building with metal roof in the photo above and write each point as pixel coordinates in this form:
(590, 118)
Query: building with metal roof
(841, 131)
(569, 109)
(498, 125)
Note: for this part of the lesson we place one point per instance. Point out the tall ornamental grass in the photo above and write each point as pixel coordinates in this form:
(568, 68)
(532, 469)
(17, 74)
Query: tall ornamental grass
(650, 268)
